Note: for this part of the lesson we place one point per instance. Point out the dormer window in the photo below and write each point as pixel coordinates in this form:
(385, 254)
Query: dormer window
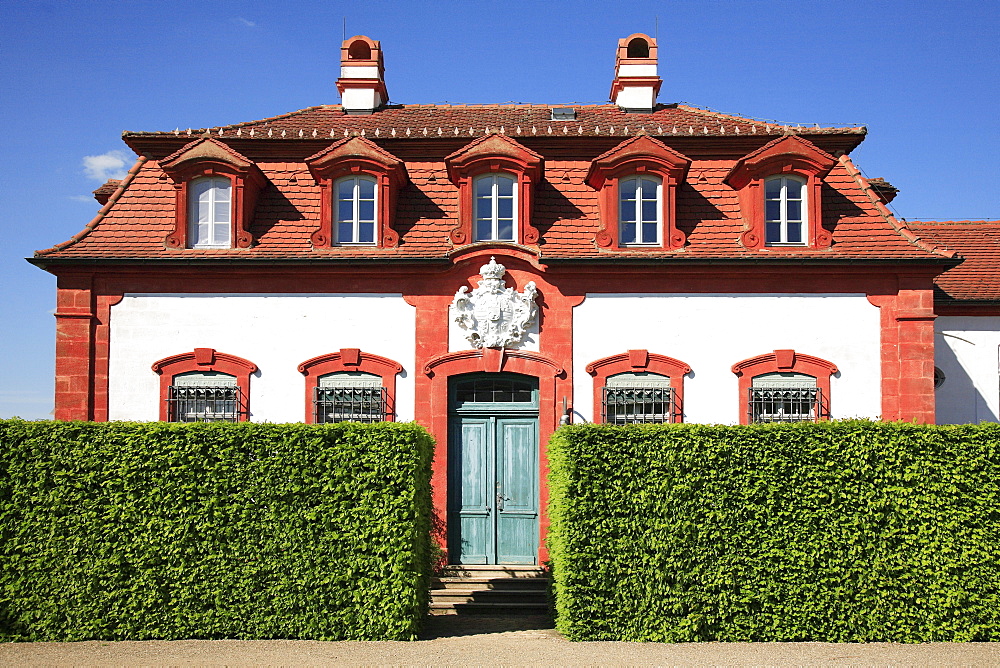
(637, 185)
(785, 210)
(640, 211)
(359, 182)
(216, 191)
(496, 207)
(495, 177)
(780, 191)
(356, 210)
(210, 213)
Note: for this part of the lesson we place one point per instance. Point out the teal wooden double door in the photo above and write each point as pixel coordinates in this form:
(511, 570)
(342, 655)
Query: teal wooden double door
(493, 470)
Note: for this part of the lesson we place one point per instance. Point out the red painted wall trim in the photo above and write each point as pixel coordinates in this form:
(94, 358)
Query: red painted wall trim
(204, 359)
(787, 361)
(75, 324)
(636, 361)
(350, 359)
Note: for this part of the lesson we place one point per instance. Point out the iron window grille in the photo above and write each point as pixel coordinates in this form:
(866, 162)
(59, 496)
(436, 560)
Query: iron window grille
(351, 404)
(192, 403)
(772, 404)
(639, 405)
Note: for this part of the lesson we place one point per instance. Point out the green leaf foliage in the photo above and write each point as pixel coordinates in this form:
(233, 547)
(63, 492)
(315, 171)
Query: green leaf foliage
(130, 531)
(847, 531)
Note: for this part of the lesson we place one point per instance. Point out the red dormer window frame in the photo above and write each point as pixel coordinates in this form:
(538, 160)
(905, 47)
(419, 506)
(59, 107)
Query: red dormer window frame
(357, 156)
(786, 156)
(494, 154)
(209, 157)
(639, 156)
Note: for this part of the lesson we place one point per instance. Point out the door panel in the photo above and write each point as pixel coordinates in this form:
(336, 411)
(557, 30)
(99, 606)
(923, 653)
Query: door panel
(517, 470)
(493, 489)
(471, 482)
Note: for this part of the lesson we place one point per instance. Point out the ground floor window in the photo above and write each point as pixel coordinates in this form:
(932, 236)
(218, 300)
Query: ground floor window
(784, 397)
(204, 396)
(350, 396)
(634, 398)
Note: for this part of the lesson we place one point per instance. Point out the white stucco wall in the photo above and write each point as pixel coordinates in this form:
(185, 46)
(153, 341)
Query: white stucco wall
(967, 350)
(276, 332)
(711, 332)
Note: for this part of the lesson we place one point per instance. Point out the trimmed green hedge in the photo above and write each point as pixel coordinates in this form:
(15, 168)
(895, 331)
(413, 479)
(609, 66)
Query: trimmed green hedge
(844, 532)
(138, 531)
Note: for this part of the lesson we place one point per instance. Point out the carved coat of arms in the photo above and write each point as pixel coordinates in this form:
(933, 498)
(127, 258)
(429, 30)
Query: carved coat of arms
(493, 315)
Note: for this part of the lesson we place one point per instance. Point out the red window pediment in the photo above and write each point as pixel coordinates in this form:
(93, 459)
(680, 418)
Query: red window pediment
(209, 157)
(642, 155)
(494, 153)
(353, 157)
(787, 156)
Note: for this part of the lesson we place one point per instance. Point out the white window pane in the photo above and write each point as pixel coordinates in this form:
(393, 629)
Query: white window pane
(366, 188)
(628, 211)
(793, 189)
(484, 208)
(366, 210)
(648, 233)
(505, 230)
(345, 210)
(484, 230)
(345, 190)
(505, 207)
(772, 210)
(345, 232)
(773, 233)
(484, 187)
(627, 188)
(627, 233)
(222, 212)
(794, 209)
(794, 233)
(505, 186)
(649, 210)
(221, 234)
(772, 189)
(366, 233)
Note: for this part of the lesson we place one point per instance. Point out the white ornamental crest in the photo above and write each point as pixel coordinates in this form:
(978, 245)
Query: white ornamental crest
(493, 315)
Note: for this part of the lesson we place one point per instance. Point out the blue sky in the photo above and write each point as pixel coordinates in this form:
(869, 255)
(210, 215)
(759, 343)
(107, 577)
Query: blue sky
(923, 76)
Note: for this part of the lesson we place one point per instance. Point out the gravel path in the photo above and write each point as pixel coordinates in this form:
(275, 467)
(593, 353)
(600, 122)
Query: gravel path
(489, 642)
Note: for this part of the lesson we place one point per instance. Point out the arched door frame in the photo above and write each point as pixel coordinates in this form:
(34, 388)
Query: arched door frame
(437, 372)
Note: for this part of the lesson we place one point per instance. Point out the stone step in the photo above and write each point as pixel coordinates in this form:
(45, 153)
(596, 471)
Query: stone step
(541, 583)
(490, 609)
(493, 571)
(539, 596)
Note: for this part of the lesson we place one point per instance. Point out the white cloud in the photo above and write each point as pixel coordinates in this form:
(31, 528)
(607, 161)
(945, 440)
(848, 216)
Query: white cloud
(110, 165)
(244, 22)
(82, 198)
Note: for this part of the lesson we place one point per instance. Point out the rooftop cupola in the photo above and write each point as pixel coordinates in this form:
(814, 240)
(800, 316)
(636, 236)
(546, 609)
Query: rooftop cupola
(636, 82)
(362, 76)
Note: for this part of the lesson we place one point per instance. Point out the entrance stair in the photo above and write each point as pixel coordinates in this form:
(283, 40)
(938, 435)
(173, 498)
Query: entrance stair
(491, 589)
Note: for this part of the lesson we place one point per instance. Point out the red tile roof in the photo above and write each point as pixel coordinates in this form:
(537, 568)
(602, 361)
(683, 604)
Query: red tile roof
(978, 241)
(421, 121)
(140, 213)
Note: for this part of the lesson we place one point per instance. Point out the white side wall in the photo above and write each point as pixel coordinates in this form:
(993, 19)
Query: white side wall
(711, 332)
(276, 332)
(967, 350)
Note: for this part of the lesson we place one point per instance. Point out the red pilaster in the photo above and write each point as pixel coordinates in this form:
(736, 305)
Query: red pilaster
(74, 348)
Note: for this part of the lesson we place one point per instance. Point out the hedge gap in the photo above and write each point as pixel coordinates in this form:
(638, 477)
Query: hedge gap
(135, 531)
(843, 532)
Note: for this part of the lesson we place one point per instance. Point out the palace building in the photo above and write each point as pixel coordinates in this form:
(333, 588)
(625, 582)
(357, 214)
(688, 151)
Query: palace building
(494, 271)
